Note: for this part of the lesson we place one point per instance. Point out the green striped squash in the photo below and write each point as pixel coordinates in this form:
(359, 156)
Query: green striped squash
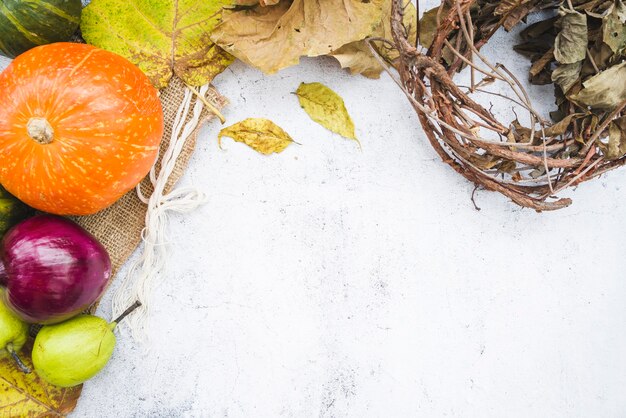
(12, 211)
(25, 24)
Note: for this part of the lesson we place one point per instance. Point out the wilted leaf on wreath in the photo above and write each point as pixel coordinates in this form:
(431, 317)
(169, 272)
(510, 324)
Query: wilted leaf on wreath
(26, 395)
(543, 29)
(605, 90)
(357, 56)
(484, 162)
(162, 37)
(540, 72)
(275, 37)
(614, 27)
(566, 75)
(428, 29)
(529, 49)
(538, 38)
(587, 124)
(541, 79)
(542, 63)
(617, 138)
(570, 45)
(507, 166)
(602, 55)
(520, 133)
(537, 172)
(262, 135)
(506, 6)
(560, 127)
(514, 11)
(327, 108)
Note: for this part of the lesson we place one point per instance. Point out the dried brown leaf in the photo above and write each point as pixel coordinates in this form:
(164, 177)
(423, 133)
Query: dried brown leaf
(507, 6)
(357, 56)
(601, 55)
(542, 63)
(275, 37)
(614, 27)
(538, 30)
(570, 45)
(514, 11)
(605, 90)
(566, 75)
(561, 127)
(617, 138)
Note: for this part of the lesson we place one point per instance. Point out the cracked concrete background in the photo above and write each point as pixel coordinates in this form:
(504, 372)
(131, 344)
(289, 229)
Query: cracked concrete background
(332, 282)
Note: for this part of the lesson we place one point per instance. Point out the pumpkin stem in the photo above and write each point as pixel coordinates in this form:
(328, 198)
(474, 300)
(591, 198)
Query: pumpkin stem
(39, 130)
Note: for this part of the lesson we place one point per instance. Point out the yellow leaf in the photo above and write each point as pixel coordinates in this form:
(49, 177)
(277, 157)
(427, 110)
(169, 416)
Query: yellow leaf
(162, 37)
(262, 135)
(275, 37)
(327, 108)
(26, 395)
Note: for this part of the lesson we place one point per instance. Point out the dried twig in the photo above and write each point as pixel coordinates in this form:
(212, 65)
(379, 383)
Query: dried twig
(528, 165)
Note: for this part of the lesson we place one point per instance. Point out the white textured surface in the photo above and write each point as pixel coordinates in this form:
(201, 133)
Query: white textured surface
(331, 282)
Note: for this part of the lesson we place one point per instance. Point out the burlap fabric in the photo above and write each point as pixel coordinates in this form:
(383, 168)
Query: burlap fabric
(119, 227)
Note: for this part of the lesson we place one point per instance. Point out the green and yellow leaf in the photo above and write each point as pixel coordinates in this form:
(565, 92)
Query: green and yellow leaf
(327, 108)
(162, 37)
(262, 135)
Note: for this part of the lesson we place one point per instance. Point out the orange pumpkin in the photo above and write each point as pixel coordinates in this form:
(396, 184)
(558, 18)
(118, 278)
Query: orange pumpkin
(79, 127)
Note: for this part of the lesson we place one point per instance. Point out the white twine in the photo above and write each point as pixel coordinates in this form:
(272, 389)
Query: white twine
(147, 272)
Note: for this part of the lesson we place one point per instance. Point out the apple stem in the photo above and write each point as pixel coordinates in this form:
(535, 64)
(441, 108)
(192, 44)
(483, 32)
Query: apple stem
(127, 312)
(17, 359)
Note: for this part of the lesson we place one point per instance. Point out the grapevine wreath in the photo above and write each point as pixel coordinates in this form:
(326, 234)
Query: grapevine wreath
(580, 47)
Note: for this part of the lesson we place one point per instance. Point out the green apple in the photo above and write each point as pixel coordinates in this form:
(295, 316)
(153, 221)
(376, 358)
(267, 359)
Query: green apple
(74, 351)
(13, 333)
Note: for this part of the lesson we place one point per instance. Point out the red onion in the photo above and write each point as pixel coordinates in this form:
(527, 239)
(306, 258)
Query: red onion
(52, 269)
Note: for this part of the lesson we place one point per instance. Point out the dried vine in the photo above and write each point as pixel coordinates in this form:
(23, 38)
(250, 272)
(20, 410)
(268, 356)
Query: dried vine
(530, 165)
